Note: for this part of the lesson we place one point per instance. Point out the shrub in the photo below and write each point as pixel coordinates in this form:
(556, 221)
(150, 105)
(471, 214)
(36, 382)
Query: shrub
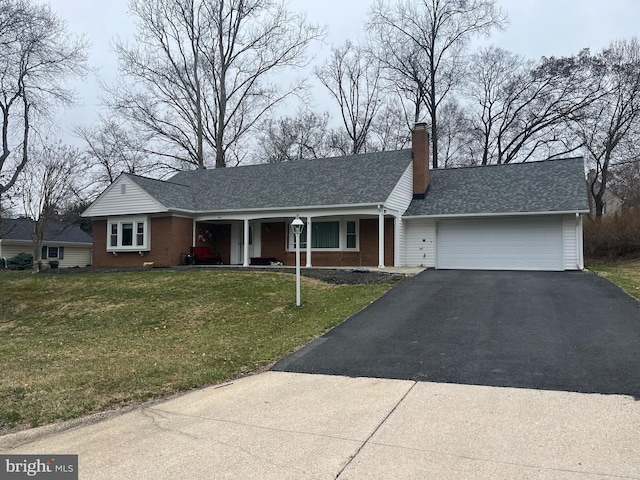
(22, 261)
(613, 237)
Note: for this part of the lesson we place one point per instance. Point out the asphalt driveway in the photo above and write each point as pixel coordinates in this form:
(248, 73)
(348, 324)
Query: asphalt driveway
(570, 331)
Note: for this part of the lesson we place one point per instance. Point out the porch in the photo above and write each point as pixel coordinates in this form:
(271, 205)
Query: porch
(336, 241)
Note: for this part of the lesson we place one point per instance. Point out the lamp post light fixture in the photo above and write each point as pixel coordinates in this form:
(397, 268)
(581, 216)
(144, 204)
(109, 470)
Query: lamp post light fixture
(297, 226)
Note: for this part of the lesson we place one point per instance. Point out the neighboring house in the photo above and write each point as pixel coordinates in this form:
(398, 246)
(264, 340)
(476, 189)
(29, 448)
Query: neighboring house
(375, 209)
(66, 244)
(612, 203)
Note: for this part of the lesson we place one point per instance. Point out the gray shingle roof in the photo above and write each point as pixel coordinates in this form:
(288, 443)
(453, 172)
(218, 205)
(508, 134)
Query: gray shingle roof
(356, 179)
(20, 229)
(172, 195)
(550, 186)
(553, 185)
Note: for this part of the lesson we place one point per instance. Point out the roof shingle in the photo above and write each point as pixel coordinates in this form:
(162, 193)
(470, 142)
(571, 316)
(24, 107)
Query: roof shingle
(549, 186)
(170, 194)
(20, 229)
(357, 179)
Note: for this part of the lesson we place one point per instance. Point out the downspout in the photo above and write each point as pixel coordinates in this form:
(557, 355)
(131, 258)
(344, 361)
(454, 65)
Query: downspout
(397, 225)
(579, 242)
(380, 236)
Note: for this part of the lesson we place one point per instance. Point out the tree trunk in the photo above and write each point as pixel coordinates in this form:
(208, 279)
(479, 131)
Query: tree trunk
(37, 237)
(599, 201)
(199, 122)
(596, 188)
(434, 140)
(219, 134)
(37, 256)
(433, 99)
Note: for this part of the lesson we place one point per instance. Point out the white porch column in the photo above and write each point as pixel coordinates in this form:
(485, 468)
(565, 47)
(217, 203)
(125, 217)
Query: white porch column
(245, 253)
(308, 242)
(380, 236)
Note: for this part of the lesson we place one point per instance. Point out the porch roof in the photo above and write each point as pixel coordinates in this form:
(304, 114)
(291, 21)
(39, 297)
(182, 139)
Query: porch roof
(351, 180)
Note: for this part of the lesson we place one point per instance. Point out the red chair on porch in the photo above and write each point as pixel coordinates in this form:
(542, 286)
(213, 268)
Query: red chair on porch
(204, 256)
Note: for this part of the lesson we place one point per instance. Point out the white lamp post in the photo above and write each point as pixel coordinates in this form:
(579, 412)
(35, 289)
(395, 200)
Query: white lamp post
(297, 226)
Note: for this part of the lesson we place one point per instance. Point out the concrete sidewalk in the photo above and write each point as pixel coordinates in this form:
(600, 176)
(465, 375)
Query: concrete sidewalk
(295, 426)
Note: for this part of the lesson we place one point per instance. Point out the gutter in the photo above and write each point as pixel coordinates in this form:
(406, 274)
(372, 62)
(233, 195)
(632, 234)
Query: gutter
(499, 214)
(242, 210)
(286, 209)
(62, 244)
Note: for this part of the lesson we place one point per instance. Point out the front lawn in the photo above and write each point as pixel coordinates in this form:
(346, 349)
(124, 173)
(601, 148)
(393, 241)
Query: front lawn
(76, 344)
(624, 273)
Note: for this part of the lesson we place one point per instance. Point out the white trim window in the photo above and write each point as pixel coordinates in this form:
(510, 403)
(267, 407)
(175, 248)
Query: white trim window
(329, 235)
(130, 234)
(54, 253)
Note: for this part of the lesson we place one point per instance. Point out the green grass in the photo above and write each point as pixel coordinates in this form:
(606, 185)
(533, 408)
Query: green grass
(76, 344)
(624, 273)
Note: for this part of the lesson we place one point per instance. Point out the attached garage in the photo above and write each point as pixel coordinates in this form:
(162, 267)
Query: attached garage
(520, 243)
(525, 216)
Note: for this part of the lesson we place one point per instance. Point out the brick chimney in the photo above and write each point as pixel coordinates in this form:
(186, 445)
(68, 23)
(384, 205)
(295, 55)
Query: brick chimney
(420, 149)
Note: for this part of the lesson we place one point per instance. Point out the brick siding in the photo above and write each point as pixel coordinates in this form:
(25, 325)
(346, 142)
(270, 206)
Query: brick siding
(274, 239)
(170, 241)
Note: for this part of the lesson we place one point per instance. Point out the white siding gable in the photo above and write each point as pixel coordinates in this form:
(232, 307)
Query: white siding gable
(124, 197)
(402, 193)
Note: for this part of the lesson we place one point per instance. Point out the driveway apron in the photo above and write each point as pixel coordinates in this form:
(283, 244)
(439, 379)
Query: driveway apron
(570, 331)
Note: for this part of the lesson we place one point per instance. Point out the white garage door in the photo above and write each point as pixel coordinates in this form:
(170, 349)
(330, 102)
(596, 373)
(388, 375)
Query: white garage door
(523, 243)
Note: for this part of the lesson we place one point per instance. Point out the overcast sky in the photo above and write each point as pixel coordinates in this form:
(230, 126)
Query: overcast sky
(536, 28)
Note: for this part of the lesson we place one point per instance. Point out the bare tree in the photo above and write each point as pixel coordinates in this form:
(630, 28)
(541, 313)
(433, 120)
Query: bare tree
(112, 148)
(422, 43)
(624, 180)
(520, 108)
(353, 81)
(50, 181)
(493, 80)
(37, 57)
(202, 74)
(294, 138)
(454, 135)
(610, 130)
(389, 129)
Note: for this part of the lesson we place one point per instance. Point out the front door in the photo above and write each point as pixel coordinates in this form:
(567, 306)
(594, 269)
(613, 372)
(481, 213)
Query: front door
(237, 243)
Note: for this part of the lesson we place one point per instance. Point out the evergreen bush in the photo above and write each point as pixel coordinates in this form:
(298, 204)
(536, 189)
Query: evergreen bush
(22, 261)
